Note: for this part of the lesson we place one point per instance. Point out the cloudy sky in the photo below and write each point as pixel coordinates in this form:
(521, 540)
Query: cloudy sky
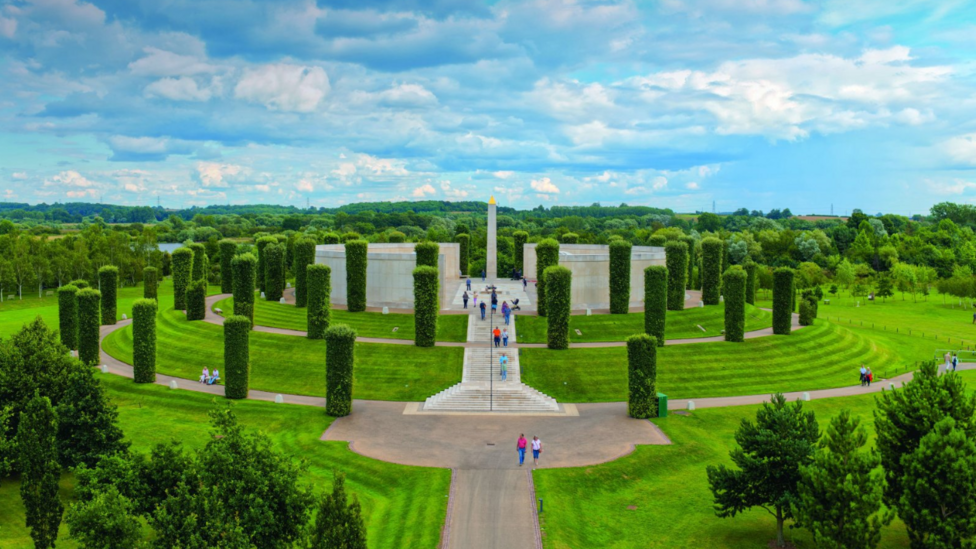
(675, 103)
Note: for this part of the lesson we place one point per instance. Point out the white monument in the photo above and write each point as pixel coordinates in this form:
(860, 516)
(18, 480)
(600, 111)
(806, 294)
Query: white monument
(491, 258)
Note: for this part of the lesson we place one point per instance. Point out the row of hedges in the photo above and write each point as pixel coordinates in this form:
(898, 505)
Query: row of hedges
(752, 269)
(677, 263)
(89, 301)
(734, 286)
(261, 244)
(245, 268)
(150, 283)
(144, 340)
(782, 301)
(108, 283)
(356, 251)
(182, 274)
(559, 288)
(274, 271)
(319, 280)
(196, 300)
(228, 249)
(464, 252)
(642, 376)
(199, 261)
(655, 301)
(546, 255)
(711, 275)
(620, 277)
(237, 356)
(427, 253)
(304, 256)
(340, 359)
(425, 305)
(519, 239)
(68, 315)
(692, 259)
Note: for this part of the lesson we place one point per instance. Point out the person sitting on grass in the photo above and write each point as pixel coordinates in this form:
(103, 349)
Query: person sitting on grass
(205, 375)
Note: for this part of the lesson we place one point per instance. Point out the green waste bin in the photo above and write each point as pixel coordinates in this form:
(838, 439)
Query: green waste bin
(662, 405)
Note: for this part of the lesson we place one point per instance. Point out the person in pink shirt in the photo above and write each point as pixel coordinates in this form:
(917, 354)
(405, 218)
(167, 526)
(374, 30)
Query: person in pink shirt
(520, 445)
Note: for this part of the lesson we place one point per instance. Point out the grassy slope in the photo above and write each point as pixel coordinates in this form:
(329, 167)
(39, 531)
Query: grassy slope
(403, 506)
(267, 313)
(680, 325)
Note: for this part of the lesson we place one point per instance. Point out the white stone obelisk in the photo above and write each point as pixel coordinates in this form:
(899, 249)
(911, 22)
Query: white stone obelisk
(491, 257)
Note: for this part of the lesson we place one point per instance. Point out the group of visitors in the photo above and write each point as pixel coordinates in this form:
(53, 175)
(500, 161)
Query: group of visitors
(207, 378)
(951, 362)
(522, 443)
(867, 376)
(501, 336)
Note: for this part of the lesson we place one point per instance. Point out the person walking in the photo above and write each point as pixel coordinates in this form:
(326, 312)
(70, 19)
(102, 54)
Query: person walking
(465, 298)
(475, 299)
(494, 301)
(483, 309)
(948, 361)
(955, 362)
(483, 274)
(506, 311)
(525, 283)
(536, 449)
(505, 337)
(498, 336)
(864, 375)
(869, 377)
(520, 446)
(503, 366)
(468, 281)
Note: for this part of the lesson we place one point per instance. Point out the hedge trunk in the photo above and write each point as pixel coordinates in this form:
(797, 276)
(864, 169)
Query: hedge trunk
(228, 249)
(245, 268)
(150, 283)
(425, 305)
(340, 358)
(546, 255)
(711, 275)
(751, 271)
(620, 253)
(274, 271)
(199, 271)
(144, 340)
(89, 305)
(356, 251)
(237, 356)
(108, 282)
(559, 282)
(182, 274)
(319, 297)
(734, 286)
(677, 261)
(68, 315)
(304, 256)
(782, 301)
(642, 376)
(656, 301)
(261, 244)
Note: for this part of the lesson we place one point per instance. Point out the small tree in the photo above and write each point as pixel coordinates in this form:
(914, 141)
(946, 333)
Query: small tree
(274, 271)
(340, 359)
(150, 283)
(425, 305)
(546, 255)
(144, 341)
(237, 356)
(734, 286)
(196, 300)
(677, 262)
(200, 263)
(356, 258)
(642, 376)
(319, 300)
(244, 268)
(89, 334)
(108, 283)
(711, 275)
(304, 256)
(783, 301)
(464, 253)
(182, 274)
(519, 239)
(427, 253)
(40, 472)
(620, 253)
(885, 288)
(68, 315)
(106, 521)
(228, 249)
(87, 422)
(655, 301)
(559, 281)
(339, 523)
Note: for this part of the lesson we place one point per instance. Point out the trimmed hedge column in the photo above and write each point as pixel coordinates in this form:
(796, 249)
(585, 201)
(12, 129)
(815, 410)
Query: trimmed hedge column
(199, 261)
(108, 282)
(340, 359)
(620, 252)
(520, 238)
(182, 273)
(546, 255)
(68, 315)
(245, 268)
(751, 271)
(642, 376)
(711, 275)
(425, 305)
(427, 253)
(319, 300)
(150, 283)
(196, 300)
(657, 240)
(395, 237)
(89, 302)
(228, 249)
(782, 301)
(304, 256)
(655, 301)
(559, 282)
(330, 238)
(261, 244)
(677, 262)
(464, 244)
(274, 260)
(356, 275)
(237, 356)
(81, 284)
(692, 259)
(569, 238)
(734, 286)
(144, 340)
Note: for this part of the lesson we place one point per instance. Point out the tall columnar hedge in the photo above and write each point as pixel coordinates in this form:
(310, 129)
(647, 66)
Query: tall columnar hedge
(81, 283)
(261, 244)
(199, 261)
(350, 236)
(620, 252)
(752, 269)
(144, 340)
(642, 376)
(340, 359)
(692, 259)
(244, 267)
(657, 240)
(520, 238)
(425, 305)
(89, 305)
(711, 275)
(464, 251)
(228, 249)
(68, 315)
(150, 283)
(559, 289)
(196, 300)
(356, 275)
(319, 300)
(655, 301)
(396, 237)
(677, 261)
(304, 256)
(108, 282)
(237, 356)
(274, 272)
(182, 274)
(569, 238)
(546, 255)
(331, 238)
(427, 253)
(782, 301)
(734, 286)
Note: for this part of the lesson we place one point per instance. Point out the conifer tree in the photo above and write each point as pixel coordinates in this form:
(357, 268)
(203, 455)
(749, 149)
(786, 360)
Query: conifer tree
(38, 459)
(339, 524)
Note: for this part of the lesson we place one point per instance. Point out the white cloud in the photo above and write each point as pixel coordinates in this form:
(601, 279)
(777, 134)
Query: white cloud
(81, 194)
(503, 174)
(183, 88)
(380, 166)
(304, 186)
(544, 185)
(166, 63)
(19, 175)
(69, 178)
(451, 192)
(635, 190)
(408, 95)
(213, 174)
(659, 183)
(692, 186)
(283, 87)
(8, 27)
(961, 149)
(423, 190)
(141, 145)
(954, 187)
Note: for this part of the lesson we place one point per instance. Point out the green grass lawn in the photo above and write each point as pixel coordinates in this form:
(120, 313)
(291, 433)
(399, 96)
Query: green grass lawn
(296, 365)
(276, 315)
(402, 506)
(680, 325)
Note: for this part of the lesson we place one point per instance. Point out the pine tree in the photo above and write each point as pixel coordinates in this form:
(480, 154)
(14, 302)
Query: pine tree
(87, 422)
(40, 472)
(339, 525)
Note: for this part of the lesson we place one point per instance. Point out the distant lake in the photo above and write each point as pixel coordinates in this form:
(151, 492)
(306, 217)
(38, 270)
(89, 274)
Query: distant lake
(169, 246)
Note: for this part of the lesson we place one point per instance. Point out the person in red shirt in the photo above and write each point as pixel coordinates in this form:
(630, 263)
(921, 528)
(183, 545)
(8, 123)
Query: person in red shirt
(498, 336)
(520, 446)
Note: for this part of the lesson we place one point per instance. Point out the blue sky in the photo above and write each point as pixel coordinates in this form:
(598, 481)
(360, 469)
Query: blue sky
(674, 103)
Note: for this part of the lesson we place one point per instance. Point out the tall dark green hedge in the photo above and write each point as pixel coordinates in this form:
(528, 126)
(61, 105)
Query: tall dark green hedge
(182, 274)
(734, 286)
(520, 238)
(89, 306)
(657, 240)
(199, 261)
(356, 251)
(150, 283)
(244, 267)
(546, 255)
(711, 275)
(642, 376)
(237, 356)
(396, 237)
(464, 251)
(559, 294)
(620, 252)
(108, 283)
(782, 301)
(331, 238)
(81, 284)
(274, 271)
(144, 340)
(304, 256)
(228, 249)
(751, 271)
(340, 360)
(261, 244)
(656, 301)
(196, 300)
(425, 305)
(692, 259)
(319, 300)
(68, 315)
(677, 261)
(427, 253)
(569, 238)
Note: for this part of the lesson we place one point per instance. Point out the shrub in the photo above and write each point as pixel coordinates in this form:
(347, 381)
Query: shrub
(228, 249)
(520, 238)
(274, 271)
(569, 238)
(68, 315)
(642, 376)
(89, 301)
(464, 244)
(144, 341)
(751, 271)
(182, 272)
(808, 309)
(395, 237)
(692, 259)
(200, 265)
(677, 262)
(331, 238)
(734, 285)
(655, 301)
(620, 253)
(350, 236)
(340, 358)
(546, 255)
(150, 283)
(237, 356)
(427, 253)
(81, 284)
(244, 267)
(319, 297)
(425, 305)
(559, 282)
(261, 244)
(108, 282)
(711, 273)
(356, 251)
(304, 256)
(196, 300)
(657, 240)
(782, 301)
